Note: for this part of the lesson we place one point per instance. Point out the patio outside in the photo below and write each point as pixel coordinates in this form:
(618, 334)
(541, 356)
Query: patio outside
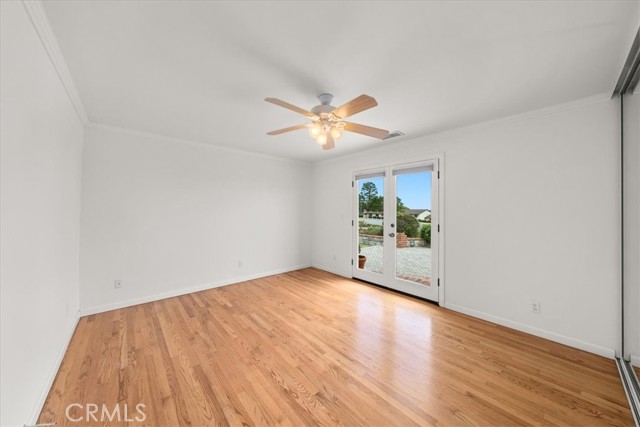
(412, 264)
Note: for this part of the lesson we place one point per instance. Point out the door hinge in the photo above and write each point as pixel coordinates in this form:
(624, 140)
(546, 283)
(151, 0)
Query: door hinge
(352, 184)
(438, 282)
(438, 174)
(438, 228)
(352, 264)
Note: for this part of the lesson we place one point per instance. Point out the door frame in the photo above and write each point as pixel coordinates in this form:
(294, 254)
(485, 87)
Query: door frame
(439, 159)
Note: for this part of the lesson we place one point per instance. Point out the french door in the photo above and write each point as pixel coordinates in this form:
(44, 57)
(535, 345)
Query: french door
(396, 227)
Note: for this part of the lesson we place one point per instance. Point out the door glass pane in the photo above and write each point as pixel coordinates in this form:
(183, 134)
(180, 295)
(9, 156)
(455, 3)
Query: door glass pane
(371, 224)
(413, 227)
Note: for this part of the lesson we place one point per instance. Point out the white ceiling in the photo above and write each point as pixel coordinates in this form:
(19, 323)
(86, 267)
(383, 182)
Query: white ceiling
(200, 70)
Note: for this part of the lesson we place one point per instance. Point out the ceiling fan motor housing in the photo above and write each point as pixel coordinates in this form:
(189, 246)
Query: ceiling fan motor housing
(325, 98)
(325, 104)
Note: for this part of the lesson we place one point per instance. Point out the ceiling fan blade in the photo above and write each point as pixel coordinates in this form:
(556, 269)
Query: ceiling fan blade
(289, 129)
(330, 143)
(366, 130)
(355, 106)
(291, 107)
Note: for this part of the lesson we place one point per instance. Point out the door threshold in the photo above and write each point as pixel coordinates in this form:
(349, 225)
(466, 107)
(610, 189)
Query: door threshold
(366, 282)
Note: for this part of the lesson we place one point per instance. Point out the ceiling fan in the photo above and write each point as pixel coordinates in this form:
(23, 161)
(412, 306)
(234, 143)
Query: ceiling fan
(327, 122)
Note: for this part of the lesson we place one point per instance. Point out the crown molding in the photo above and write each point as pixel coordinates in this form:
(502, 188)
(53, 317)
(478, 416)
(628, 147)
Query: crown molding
(40, 22)
(195, 143)
(601, 97)
(502, 121)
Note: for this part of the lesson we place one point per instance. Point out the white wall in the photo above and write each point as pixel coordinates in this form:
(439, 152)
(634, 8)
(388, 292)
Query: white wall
(632, 226)
(167, 216)
(531, 212)
(41, 150)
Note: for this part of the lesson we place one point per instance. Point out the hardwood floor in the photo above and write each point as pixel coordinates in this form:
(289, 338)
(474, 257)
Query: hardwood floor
(312, 348)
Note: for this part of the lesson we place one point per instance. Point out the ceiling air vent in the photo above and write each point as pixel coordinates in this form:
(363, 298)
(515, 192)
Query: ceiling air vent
(394, 134)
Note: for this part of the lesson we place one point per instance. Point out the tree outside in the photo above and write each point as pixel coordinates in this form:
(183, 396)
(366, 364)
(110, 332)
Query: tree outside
(370, 201)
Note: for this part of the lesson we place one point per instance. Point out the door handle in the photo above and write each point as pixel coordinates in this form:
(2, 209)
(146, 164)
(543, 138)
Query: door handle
(392, 234)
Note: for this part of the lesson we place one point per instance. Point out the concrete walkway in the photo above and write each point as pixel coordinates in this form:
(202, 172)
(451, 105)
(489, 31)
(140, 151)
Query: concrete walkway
(413, 264)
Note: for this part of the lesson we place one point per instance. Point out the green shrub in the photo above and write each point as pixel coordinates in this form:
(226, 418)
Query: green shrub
(407, 224)
(425, 232)
(375, 230)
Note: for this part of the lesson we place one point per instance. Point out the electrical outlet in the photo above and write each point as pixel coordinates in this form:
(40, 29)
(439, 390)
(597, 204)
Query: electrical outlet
(117, 284)
(535, 306)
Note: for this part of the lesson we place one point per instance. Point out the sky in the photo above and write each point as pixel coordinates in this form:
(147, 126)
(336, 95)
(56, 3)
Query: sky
(414, 189)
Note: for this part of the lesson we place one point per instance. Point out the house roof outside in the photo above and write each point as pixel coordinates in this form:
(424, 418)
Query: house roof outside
(416, 212)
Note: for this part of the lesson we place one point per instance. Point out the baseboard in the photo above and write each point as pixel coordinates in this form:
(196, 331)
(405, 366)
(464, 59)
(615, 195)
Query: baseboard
(54, 371)
(184, 291)
(542, 333)
(346, 274)
(635, 360)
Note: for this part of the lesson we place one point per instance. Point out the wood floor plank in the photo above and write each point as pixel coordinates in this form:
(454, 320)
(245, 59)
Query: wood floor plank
(311, 348)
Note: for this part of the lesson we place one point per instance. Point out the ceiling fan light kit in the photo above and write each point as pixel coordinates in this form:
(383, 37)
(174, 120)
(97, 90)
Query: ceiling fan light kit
(327, 122)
